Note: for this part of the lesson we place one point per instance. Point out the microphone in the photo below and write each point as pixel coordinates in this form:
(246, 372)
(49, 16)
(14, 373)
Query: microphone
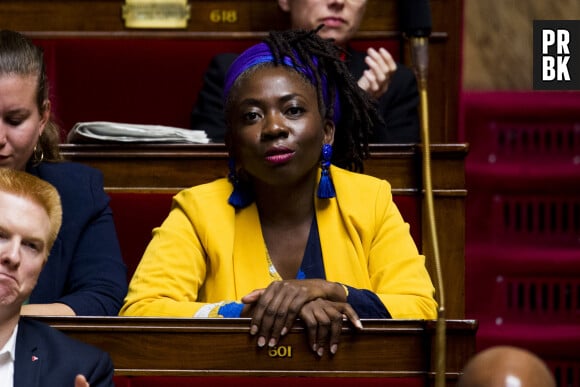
(415, 18)
(415, 21)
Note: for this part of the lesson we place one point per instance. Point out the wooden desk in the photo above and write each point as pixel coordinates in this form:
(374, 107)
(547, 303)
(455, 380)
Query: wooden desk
(178, 166)
(205, 347)
(144, 168)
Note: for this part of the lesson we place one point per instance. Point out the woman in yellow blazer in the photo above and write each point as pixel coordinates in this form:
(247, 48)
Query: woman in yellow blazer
(287, 235)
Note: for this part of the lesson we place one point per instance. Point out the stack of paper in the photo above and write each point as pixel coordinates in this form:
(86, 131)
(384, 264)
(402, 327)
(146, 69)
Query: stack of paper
(90, 132)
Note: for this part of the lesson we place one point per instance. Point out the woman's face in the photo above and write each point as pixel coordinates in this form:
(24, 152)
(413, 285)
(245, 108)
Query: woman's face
(21, 123)
(341, 18)
(276, 129)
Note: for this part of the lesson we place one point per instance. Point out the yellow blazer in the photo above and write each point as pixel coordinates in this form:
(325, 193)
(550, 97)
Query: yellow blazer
(206, 252)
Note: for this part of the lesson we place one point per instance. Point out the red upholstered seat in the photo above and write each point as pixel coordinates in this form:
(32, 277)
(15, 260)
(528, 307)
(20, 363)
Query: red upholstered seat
(522, 261)
(136, 214)
(121, 381)
(518, 285)
(141, 81)
(518, 139)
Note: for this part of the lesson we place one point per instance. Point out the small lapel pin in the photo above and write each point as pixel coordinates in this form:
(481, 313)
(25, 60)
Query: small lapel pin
(34, 358)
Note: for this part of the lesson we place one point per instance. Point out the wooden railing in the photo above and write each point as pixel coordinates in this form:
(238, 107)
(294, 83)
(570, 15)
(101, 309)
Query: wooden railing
(224, 347)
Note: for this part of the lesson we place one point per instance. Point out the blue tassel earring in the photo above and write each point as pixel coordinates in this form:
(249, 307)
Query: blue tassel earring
(325, 187)
(242, 195)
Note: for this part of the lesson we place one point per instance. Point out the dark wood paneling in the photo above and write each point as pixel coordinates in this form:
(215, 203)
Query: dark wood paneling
(204, 347)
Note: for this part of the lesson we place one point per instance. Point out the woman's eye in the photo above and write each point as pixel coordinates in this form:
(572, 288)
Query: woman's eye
(15, 119)
(13, 122)
(295, 111)
(251, 116)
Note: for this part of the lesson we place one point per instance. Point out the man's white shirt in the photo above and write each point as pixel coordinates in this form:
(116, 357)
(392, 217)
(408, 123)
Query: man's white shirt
(7, 356)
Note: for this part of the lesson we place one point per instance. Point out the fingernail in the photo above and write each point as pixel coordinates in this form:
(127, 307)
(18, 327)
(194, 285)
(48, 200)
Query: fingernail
(320, 351)
(261, 341)
(333, 348)
(284, 331)
(253, 330)
(358, 324)
(272, 342)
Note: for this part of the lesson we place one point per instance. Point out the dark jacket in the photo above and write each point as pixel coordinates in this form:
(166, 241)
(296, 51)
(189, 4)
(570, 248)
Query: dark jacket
(85, 269)
(47, 357)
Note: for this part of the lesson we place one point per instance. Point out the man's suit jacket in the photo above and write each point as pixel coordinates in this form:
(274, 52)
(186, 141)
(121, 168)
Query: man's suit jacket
(398, 106)
(47, 357)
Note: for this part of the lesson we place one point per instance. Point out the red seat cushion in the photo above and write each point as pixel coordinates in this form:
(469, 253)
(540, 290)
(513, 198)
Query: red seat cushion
(135, 215)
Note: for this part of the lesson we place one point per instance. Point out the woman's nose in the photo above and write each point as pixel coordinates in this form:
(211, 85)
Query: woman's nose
(273, 127)
(336, 2)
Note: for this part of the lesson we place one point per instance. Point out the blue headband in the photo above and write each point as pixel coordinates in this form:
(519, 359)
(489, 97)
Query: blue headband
(261, 53)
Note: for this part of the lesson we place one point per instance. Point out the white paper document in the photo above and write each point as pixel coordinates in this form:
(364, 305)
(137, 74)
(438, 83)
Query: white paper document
(95, 131)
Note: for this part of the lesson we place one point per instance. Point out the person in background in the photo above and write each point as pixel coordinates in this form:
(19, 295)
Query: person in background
(392, 85)
(32, 353)
(294, 231)
(506, 366)
(85, 274)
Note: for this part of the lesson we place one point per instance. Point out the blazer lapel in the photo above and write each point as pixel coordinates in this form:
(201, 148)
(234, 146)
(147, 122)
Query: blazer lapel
(337, 238)
(249, 256)
(28, 362)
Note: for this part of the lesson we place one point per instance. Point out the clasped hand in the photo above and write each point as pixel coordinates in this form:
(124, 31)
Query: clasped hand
(375, 80)
(320, 304)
